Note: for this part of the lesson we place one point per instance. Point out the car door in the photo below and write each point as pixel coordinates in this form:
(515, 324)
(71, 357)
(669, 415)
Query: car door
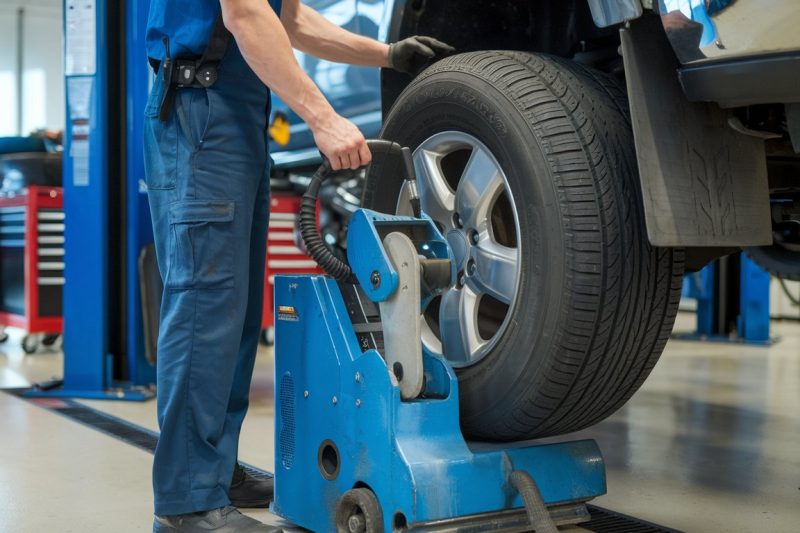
(353, 91)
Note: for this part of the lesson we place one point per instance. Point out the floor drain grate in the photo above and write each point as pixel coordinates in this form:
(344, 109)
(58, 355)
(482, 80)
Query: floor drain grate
(110, 425)
(605, 521)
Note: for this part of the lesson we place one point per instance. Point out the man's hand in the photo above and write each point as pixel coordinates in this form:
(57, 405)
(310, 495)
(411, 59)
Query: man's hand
(266, 48)
(341, 142)
(412, 54)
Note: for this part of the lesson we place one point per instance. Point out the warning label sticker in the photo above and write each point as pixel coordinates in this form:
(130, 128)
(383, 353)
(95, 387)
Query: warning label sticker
(287, 312)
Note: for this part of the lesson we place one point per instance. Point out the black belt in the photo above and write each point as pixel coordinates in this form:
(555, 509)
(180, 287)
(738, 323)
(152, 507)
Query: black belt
(191, 71)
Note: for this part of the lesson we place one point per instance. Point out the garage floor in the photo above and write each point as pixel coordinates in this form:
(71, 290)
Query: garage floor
(711, 443)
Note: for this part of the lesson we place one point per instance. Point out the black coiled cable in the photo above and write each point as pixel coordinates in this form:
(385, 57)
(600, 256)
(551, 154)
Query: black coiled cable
(319, 252)
(315, 245)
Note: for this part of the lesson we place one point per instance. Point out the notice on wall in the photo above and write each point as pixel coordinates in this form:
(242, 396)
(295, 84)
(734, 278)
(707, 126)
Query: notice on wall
(79, 99)
(81, 47)
(79, 151)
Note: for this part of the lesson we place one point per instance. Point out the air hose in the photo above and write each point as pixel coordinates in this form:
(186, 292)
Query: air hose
(538, 515)
(391, 157)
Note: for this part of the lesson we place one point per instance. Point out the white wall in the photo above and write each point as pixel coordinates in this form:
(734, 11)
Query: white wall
(43, 71)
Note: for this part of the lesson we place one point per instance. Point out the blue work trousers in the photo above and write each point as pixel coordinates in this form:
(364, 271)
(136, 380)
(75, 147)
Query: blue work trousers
(207, 173)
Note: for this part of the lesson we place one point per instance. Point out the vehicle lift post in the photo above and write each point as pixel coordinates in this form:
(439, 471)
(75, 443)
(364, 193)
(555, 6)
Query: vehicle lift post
(367, 435)
(106, 211)
(733, 302)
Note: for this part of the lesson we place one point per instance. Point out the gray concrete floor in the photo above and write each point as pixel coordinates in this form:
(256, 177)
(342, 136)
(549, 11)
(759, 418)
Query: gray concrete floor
(711, 443)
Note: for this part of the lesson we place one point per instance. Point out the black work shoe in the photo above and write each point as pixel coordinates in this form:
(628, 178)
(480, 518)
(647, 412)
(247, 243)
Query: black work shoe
(249, 491)
(222, 520)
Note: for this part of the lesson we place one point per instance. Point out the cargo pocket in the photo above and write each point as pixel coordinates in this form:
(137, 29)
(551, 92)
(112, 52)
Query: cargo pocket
(202, 245)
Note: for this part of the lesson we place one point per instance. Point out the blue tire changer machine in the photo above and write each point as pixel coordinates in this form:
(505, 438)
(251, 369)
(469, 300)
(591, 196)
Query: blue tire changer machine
(367, 435)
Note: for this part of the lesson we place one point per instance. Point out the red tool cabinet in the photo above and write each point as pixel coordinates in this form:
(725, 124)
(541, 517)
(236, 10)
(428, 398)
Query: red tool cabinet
(283, 255)
(32, 262)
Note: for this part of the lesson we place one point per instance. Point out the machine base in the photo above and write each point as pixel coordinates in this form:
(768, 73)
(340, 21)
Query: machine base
(341, 425)
(510, 521)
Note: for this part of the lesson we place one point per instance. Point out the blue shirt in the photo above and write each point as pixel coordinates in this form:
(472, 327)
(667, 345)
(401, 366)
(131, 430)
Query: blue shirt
(187, 24)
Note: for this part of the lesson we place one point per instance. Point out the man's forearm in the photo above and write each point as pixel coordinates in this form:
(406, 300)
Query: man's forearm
(313, 34)
(266, 48)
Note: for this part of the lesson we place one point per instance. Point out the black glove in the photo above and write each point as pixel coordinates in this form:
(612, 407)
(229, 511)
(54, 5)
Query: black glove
(411, 55)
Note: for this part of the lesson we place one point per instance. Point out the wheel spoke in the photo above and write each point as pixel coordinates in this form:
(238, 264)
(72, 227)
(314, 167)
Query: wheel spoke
(436, 198)
(458, 324)
(491, 270)
(480, 184)
(496, 273)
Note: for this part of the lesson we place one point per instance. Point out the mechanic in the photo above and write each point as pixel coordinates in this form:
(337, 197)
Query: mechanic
(207, 173)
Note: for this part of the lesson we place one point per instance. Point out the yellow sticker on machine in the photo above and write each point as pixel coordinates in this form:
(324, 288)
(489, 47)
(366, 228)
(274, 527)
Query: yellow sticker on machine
(287, 312)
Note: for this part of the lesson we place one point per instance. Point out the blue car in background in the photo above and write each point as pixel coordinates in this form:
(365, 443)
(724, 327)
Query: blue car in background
(579, 156)
(352, 90)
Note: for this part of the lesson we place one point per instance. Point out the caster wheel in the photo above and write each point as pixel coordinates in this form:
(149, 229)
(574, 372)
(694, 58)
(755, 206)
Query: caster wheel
(30, 343)
(358, 511)
(50, 339)
(268, 336)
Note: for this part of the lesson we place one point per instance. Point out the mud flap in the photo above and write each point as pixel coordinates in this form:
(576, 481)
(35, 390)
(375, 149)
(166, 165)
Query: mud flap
(703, 184)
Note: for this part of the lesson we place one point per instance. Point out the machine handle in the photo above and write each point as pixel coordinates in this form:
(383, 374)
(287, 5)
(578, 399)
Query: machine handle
(381, 147)
(315, 245)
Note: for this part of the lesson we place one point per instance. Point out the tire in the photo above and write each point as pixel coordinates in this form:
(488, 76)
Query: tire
(50, 339)
(267, 337)
(593, 303)
(30, 343)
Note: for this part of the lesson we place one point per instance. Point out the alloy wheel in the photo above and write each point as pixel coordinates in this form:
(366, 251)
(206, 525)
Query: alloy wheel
(466, 193)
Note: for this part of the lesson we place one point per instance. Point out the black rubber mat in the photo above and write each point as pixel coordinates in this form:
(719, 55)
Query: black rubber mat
(603, 520)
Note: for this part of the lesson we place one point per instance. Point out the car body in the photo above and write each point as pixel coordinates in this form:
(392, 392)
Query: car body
(736, 53)
(355, 92)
